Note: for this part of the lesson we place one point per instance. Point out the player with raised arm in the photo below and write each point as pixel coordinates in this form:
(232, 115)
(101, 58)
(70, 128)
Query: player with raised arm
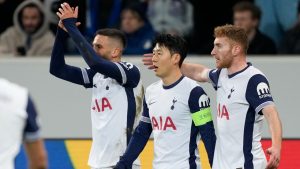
(176, 110)
(116, 86)
(243, 100)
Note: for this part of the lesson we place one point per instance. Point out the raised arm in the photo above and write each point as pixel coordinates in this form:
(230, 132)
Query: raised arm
(196, 72)
(58, 66)
(95, 62)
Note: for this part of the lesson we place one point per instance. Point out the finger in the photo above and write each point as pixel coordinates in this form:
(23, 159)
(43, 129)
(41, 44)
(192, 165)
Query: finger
(151, 67)
(61, 10)
(59, 14)
(78, 23)
(76, 11)
(271, 162)
(148, 60)
(68, 7)
(63, 6)
(148, 55)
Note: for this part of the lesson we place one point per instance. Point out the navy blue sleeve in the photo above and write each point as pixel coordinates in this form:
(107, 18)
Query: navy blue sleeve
(138, 141)
(199, 104)
(97, 63)
(60, 69)
(31, 130)
(258, 93)
(214, 77)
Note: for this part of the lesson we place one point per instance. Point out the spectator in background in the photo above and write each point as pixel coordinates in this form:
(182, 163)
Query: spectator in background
(278, 16)
(139, 32)
(30, 35)
(247, 15)
(102, 14)
(171, 16)
(18, 122)
(291, 41)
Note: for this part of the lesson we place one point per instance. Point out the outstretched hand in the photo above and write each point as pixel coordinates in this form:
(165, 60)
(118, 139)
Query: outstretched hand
(147, 60)
(273, 162)
(65, 12)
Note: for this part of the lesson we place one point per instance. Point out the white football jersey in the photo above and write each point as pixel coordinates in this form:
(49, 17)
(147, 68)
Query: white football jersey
(115, 109)
(169, 110)
(17, 121)
(240, 98)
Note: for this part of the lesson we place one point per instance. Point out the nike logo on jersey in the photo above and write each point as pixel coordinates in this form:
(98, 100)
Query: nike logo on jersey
(219, 87)
(94, 85)
(152, 102)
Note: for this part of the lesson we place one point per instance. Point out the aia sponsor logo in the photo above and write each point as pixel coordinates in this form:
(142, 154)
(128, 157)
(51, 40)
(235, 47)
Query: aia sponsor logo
(101, 105)
(223, 112)
(162, 123)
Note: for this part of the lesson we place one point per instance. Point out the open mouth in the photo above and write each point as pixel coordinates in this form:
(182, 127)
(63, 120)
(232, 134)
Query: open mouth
(155, 67)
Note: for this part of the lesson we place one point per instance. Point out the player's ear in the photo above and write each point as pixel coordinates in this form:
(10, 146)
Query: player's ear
(116, 52)
(176, 58)
(236, 49)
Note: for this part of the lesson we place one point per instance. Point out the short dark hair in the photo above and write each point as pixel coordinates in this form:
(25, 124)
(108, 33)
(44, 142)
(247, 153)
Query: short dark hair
(248, 6)
(113, 33)
(175, 44)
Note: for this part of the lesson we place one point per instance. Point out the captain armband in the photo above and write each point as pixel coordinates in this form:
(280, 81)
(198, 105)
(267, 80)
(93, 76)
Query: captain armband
(202, 116)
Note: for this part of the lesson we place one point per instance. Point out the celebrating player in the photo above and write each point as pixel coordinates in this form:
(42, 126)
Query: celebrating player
(176, 109)
(117, 91)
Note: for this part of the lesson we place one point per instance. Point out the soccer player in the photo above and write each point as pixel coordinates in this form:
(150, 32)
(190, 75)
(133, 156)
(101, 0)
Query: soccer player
(243, 100)
(18, 123)
(176, 109)
(117, 91)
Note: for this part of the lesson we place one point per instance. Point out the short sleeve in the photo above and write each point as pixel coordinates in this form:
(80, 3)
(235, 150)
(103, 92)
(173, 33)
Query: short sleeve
(213, 76)
(258, 92)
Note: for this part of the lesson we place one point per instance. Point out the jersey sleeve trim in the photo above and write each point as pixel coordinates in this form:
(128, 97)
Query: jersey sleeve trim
(32, 136)
(261, 106)
(124, 77)
(85, 76)
(145, 119)
(202, 116)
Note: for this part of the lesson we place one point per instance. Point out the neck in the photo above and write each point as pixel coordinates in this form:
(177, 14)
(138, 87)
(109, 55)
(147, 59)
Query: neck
(172, 77)
(237, 65)
(116, 59)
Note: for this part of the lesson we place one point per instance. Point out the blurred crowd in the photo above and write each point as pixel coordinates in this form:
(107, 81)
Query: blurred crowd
(28, 27)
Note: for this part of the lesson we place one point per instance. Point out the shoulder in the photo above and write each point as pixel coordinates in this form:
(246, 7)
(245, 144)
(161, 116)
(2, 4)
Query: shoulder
(154, 86)
(254, 71)
(13, 93)
(10, 32)
(128, 65)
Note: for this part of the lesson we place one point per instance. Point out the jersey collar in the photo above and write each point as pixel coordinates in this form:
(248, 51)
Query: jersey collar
(174, 84)
(234, 74)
